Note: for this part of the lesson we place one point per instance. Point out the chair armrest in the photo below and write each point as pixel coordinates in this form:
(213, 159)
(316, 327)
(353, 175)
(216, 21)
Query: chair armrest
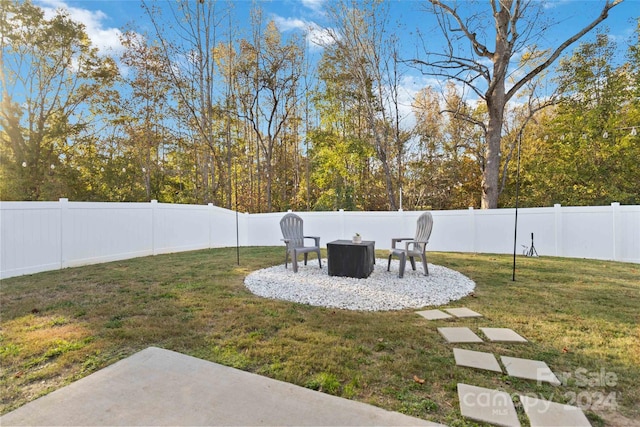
(316, 238)
(398, 239)
(414, 243)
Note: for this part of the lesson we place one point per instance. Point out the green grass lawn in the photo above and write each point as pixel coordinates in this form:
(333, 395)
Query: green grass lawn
(580, 316)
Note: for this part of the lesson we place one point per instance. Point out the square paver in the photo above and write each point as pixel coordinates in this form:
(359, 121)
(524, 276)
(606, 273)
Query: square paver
(490, 406)
(462, 312)
(476, 359)
(433, 314)
(502, 334)
(543, 413)
(529, 369)
(459, 335)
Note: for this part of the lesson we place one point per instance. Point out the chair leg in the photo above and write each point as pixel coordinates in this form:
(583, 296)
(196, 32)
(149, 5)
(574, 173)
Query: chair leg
(403, 263)
(425, 265)
(389, 264)
(319, 259)
(294, 261)
(286, 258)
(306, 255)
(413, 263)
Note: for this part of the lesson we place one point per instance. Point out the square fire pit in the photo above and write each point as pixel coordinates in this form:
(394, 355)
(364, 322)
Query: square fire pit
(348, 259)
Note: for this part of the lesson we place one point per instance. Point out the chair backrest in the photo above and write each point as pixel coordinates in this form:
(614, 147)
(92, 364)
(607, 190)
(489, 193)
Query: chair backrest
(423, 229)
(291, 226)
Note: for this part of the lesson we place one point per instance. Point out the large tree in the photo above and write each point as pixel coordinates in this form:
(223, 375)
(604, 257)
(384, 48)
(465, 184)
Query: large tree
(50, 73)
(370, 57)
(481, 56)
(268, 76)
(188, 40)
(584, 151)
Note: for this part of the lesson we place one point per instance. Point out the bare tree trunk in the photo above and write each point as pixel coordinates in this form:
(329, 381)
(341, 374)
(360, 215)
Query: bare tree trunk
(491, 168)
(515, 25)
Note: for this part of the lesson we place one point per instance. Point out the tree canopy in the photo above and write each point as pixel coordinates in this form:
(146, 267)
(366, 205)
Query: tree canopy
(194, 111)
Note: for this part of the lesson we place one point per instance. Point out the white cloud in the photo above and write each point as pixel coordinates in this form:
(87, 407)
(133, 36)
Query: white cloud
(105, 39)
(315, 5)
(316, 36)
(289, 24)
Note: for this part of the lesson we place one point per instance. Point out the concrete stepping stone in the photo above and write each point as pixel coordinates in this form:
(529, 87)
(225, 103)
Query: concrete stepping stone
(455, 335)
(476, 359)
(434, 314)
(544, 413)
(486, 405)
(502, 334)
(462, 312)
(529, 369)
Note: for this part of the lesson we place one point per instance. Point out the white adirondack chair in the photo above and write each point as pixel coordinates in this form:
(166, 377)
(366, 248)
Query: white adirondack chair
(413, 246)
(292, 231)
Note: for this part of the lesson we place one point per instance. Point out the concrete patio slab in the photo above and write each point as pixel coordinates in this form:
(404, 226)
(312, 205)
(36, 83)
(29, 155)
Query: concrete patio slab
(459, 335)
(502, 334)
(462, 312)
(434, 314)
(543, 413)
(529, 369)
(476, 359)
(160, 388)
(486, 405)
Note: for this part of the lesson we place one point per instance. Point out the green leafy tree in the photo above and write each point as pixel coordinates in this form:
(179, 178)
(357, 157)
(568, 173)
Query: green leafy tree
(50, 74)
(445, 168)
(343, 174)
(370, 57)
(478, 54)
(589, 150)
(269, 73)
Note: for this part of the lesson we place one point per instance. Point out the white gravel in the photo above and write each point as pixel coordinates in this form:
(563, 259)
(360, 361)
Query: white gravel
(379, 292)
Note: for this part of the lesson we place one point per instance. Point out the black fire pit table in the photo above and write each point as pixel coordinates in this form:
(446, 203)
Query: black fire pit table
(348, 259)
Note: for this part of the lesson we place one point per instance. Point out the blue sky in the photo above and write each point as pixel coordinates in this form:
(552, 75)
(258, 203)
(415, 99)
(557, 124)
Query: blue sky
(105, 20)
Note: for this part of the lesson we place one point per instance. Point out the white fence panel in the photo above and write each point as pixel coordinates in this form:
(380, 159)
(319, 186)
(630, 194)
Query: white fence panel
(264, 230)
(453, 231)
(29, 238)
(41, 236)
(578, 237)
(328, 225)
(223, 231)
(178, 228)
(627, 234)
(102, 232)
(494, 231)
(380, 227)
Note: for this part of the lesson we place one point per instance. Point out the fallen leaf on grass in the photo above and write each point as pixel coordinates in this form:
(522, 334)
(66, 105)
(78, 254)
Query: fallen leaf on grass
(418, 379)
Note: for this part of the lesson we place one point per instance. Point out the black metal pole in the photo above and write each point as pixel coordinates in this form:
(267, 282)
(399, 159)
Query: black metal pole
(515, 228)
(237, 227)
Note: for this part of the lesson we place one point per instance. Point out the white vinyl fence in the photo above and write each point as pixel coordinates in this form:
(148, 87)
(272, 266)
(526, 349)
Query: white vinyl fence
(42, 236)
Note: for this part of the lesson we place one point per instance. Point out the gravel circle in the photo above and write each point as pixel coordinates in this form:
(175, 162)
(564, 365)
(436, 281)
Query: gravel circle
(381, 291)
